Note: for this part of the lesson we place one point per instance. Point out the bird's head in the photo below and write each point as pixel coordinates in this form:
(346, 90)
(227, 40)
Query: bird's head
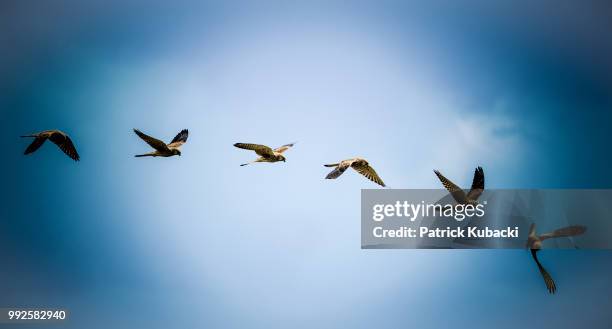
(282, 158)
(176, 152)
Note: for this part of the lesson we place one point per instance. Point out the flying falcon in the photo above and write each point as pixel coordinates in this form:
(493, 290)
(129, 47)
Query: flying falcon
(478, 184)
(266, 154)
(162, 149)
(359, 164)
(534, 242)
(58, 137)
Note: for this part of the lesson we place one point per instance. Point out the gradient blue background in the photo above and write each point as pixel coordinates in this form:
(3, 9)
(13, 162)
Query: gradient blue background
(521, 88)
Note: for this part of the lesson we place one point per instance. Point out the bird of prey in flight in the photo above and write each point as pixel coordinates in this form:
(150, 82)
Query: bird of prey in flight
(359, 164)
(162, 149)
(266, 154)
(534, 242)
(58, 137)
(478, 184)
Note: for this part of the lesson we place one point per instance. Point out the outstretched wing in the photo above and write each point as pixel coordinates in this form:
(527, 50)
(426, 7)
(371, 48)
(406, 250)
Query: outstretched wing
(284, 148)
(180, 139)
(548, 280)
(65, 144)
(262, 150)
(478, 184)
(564, 232)
(364, 168)
(36, 144)
(338, 171)
(457, 193)
(153, 142)
(532, 229)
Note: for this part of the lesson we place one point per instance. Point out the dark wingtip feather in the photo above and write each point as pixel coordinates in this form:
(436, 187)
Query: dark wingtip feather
(181, 136)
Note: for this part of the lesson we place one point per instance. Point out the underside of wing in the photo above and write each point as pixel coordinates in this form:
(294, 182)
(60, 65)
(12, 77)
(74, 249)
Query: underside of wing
(261, 150)
(364, 168)
(180, 139)
(65, 144)
(337, 172)
(478, 184)
(457, 193)
(153, 142)
(548, 280)
(284, 148)
(35, 145)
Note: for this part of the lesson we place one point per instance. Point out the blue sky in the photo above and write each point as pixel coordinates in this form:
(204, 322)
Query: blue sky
(200, 241)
